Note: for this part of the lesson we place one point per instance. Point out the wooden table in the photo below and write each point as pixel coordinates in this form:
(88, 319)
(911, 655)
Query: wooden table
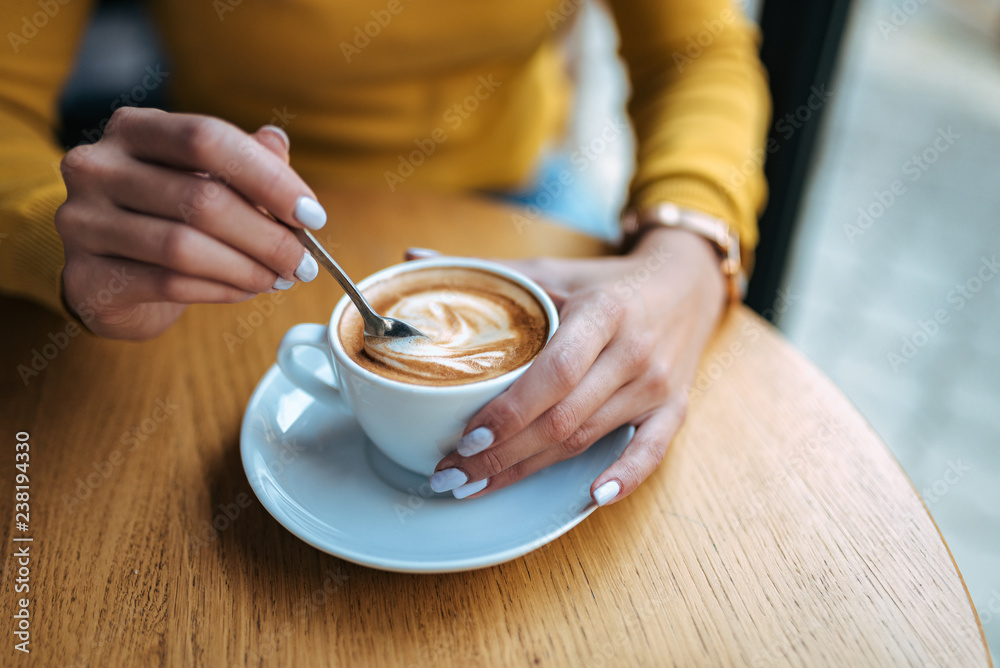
(779, 529)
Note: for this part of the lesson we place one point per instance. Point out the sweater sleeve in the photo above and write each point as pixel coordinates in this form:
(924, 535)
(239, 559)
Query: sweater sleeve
(40, 40)
(700, 107)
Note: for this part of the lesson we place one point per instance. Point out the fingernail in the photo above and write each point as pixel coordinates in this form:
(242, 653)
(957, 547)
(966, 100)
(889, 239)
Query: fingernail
(475, 441)
(471, 488)
(606, 492)
(281, 133)
(307, 269)
(446, 480)
(309, 212)
(282, 283)
(422, 252)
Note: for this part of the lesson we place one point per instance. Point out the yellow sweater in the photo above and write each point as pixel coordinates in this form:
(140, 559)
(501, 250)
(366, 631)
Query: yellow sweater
(361, 85)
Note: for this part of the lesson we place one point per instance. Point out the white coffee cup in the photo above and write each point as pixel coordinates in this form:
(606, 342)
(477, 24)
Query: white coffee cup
(414, 425)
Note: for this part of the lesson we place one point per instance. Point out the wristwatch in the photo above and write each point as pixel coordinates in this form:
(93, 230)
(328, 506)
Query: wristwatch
(722, 237)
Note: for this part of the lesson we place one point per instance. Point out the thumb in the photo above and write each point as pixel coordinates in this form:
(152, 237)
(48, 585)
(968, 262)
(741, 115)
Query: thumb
(554, 287)
(420, 254)
(527, 267)
(274, 139)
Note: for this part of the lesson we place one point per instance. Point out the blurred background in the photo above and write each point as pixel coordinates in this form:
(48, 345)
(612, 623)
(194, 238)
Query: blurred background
(890, 293)
(879, 246)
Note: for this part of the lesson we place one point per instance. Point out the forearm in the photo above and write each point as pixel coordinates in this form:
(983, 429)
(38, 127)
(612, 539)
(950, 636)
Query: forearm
(34, 62)
(31, 252)
(700, 108)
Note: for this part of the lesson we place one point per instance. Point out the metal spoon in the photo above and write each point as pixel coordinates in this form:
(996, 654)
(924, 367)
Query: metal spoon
(375, 324)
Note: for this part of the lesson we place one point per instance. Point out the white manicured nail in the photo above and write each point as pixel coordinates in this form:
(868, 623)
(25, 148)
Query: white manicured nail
(281, 133)
(309, 212)
(470, 489)
(447, 480)
(606, 492)
(422, 252)
(282, 283)
(307, 269)
(475, 441)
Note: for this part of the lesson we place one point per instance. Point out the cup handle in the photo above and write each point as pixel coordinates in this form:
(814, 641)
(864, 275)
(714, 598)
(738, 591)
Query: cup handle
(314, 336)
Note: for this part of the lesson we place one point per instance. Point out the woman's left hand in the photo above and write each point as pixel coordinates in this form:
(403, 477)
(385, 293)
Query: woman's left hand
(632, 331)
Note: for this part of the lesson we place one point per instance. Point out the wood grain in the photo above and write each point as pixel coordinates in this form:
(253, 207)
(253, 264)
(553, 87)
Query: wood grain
(778, 531)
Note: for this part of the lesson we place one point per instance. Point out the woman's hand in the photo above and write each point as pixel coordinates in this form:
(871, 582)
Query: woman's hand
(632, 331)
(167, 210)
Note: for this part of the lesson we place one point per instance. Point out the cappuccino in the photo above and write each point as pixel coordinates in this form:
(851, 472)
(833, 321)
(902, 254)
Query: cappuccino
(480, 325)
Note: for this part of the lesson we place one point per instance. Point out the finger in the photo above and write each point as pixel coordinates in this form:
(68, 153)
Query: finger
(610, 416)
(642, 455)
(547, 273)
(551, 274)
(560, 428)
(215, 210)
(588, 325)
(120, 283)
(275, 140)
(558, 297)
(557, 294)
(420, 254)
(181, 248)
(232, 157)
(568, 275)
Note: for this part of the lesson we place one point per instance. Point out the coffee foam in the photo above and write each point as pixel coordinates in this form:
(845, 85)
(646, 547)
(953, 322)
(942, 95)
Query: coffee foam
(480, 325)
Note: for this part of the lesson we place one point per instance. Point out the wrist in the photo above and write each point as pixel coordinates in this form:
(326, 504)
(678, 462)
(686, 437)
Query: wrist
(697, 256)
(718, 234)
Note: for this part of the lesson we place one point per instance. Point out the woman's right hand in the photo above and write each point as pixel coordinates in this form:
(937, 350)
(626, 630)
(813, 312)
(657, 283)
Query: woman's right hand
(167, 210)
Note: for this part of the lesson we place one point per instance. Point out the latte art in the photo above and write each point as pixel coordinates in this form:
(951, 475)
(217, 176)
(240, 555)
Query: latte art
(479, 325)
(467, 333)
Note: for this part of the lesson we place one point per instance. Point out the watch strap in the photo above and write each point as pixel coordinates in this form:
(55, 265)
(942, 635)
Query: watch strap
(719, 233)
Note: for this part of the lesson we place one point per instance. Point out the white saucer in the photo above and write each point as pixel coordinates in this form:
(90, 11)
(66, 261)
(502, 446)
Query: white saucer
(314, 470)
